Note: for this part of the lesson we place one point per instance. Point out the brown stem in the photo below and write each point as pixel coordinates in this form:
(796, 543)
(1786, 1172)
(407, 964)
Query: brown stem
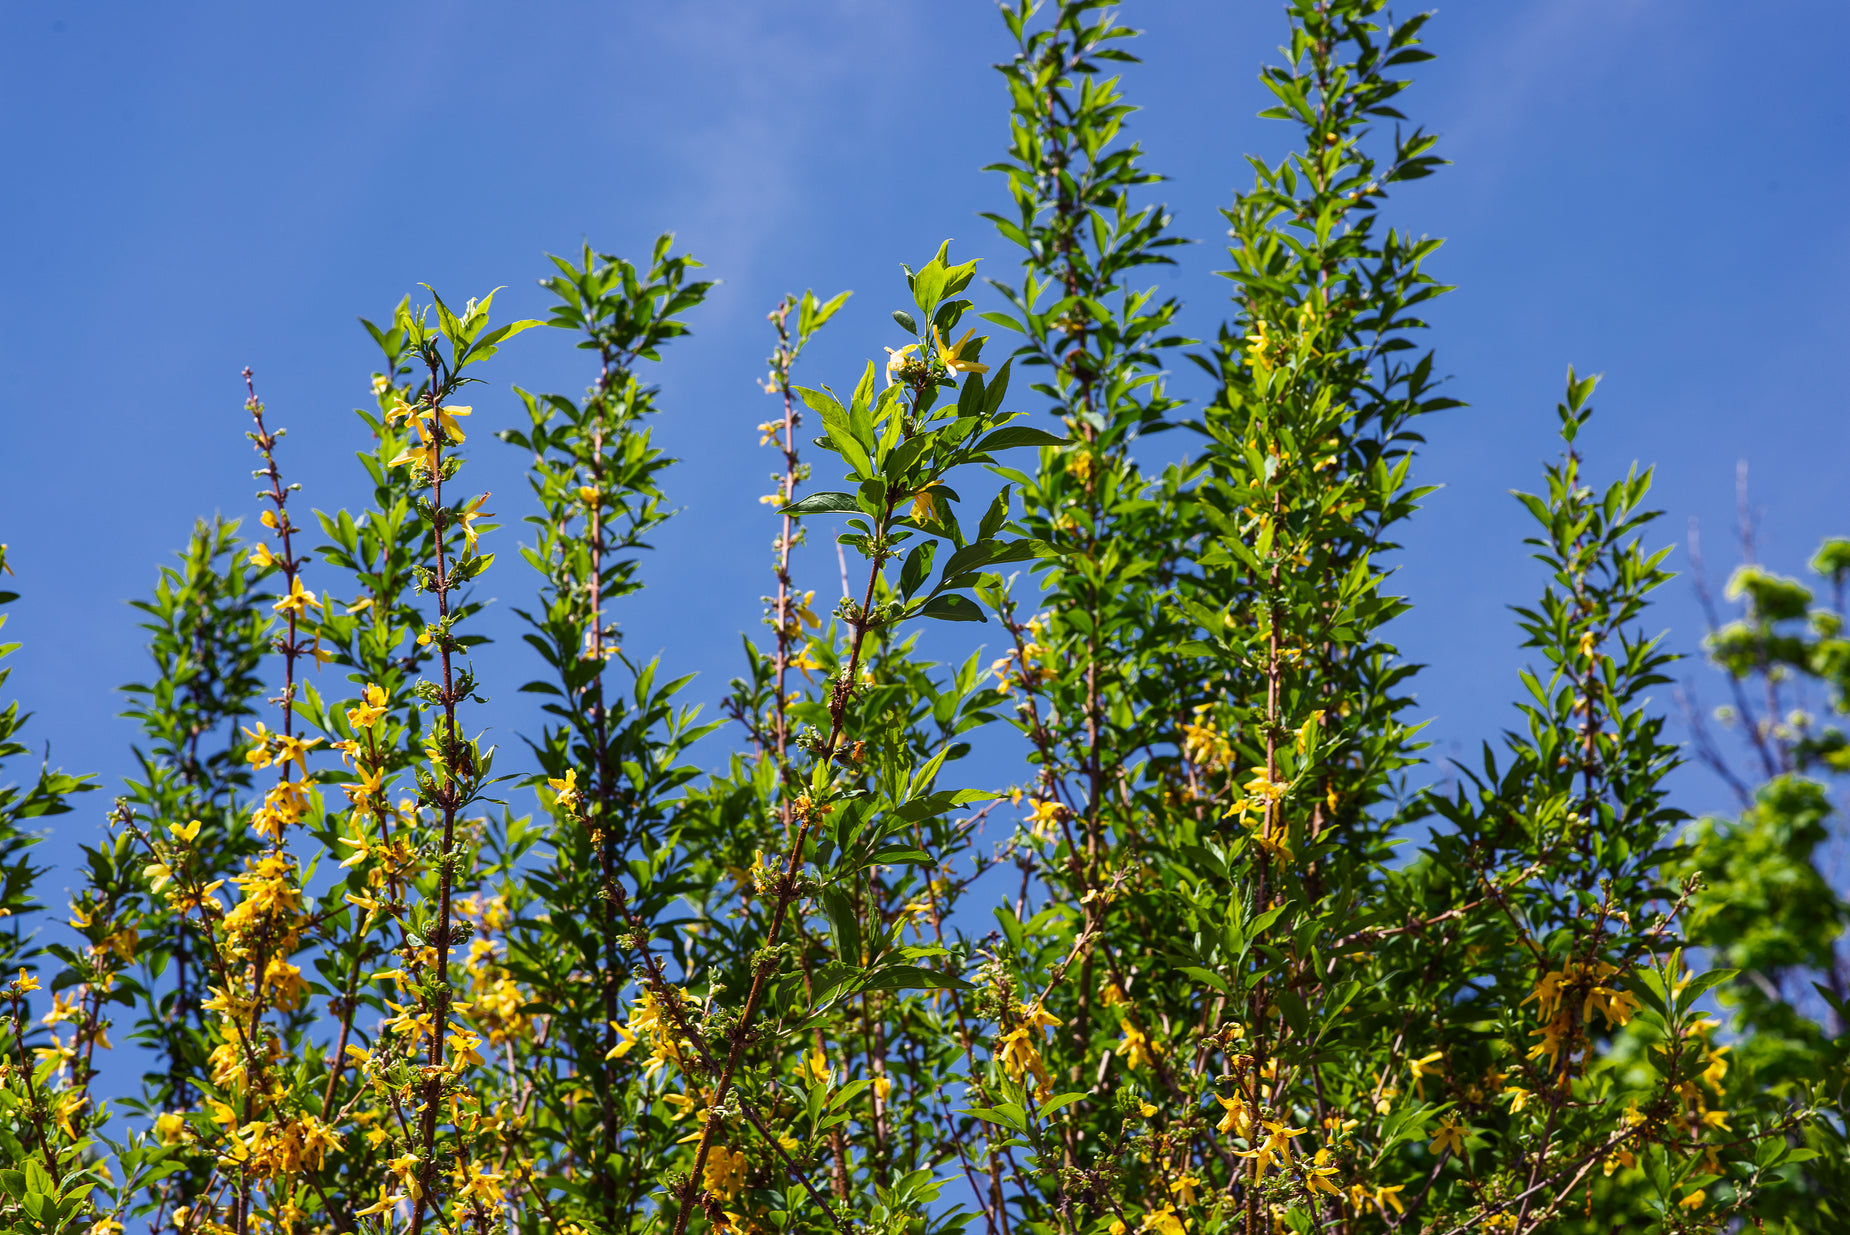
(786, 888)
(447, 798)
(32, 1098)
(668, 1000)
(291, 648)
(603, 832)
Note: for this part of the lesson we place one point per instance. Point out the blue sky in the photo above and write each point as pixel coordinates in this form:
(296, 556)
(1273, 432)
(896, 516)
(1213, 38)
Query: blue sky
(1648, 190)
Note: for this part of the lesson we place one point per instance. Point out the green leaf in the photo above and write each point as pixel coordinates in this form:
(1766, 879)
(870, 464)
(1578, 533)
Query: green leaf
(1205, 976)
(917, 568)
(1008, 1115)
(1701, 983)
(823, 403)
(951, 607)
(915, 978)
(846, 927)
(986, 553)
(1261, 924)
(1019, 435)
(995, 516)
(1291, 1005)
(823, 504)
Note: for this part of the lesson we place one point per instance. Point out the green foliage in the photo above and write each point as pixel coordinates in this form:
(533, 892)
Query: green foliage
(1769, 901)
(1233, 954)
(48, 794)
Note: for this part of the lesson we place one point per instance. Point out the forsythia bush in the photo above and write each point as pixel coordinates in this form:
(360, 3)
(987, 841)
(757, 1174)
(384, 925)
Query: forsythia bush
(1231, 954)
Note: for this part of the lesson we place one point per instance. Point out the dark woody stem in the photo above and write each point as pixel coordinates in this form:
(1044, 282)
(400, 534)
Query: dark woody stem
(448, 799)
(765, 965)
(265, 440)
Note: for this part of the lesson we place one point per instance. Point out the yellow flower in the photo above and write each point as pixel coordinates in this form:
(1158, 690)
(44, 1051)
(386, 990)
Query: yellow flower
(261, 557)
(1551, 1043)
(1518, 1096)
(1147, 1109)
(725, 1173)
(370, 709)
(406, 1169)
(897, 359)
(1164, 1222)
(464, 1043)
(285, 984)
(1203, 743)
(364, 794)
(1262, 788)
(1137, 1048)
(1037, 1017)
(684, 1105)
(59, 1051)
(446, 417)
(1258, 345)
(298, 600)
(185, 835)
(815, 1066)
(427, 454)
(1020, 1054)
(1617, 1006)
(469, 515)
(1317, 1176)
(171, 1128)
(1361, 1195)
(157, 874)
(481, 1185)
(804, 615)
(259, 754)
(1275, 1148)
(1045, 816)
(1424, 1067)
(362, 850)
(952, 356)
(1716, 1069)
(1547, 993)
(1694, 1200)
(290, 748)
(626, 1039)
(566, 788)
(1451, 1135)
(1237, 1118)
(387, 1202)
(923, 508)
